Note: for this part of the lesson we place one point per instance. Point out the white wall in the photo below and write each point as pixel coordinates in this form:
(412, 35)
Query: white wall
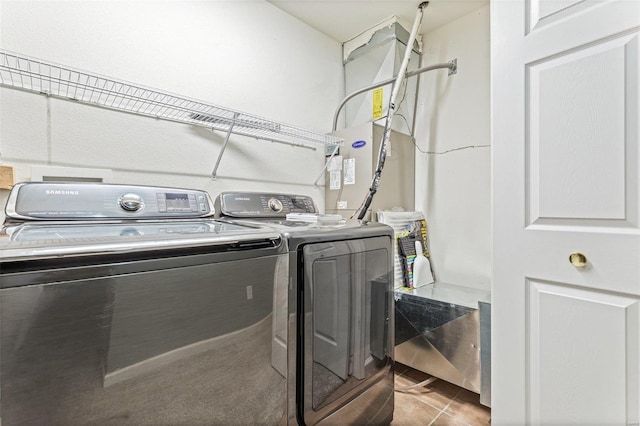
(245, 55)
(453, 189)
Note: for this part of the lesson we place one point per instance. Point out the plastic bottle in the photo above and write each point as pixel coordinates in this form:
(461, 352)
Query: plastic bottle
(421, 268)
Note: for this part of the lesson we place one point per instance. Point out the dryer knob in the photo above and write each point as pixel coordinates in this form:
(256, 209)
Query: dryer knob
(130, 202)
(275, 205)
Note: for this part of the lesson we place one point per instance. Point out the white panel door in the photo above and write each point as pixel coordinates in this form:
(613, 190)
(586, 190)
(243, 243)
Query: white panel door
(565, 112)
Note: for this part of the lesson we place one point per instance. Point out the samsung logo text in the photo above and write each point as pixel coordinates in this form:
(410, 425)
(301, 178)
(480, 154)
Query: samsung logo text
(61, 192)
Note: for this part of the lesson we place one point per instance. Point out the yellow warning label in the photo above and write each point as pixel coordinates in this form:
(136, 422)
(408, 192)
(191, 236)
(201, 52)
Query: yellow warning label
(377, 103)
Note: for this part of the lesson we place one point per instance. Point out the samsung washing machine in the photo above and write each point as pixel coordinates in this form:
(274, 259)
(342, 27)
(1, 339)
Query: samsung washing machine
(333, 331)
(131, 305)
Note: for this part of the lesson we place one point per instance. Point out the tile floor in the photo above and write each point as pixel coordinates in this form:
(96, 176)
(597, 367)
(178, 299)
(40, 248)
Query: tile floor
(439, 403)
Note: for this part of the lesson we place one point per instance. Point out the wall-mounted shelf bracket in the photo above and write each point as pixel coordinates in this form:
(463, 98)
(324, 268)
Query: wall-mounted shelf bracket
(224, 146)
(453, 67)
(334, 151)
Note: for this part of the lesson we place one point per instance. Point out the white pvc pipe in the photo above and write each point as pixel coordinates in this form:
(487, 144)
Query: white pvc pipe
(405, 61)
(392, 107)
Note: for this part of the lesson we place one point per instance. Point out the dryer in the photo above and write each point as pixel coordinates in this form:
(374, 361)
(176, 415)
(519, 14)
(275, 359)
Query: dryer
(335, 342)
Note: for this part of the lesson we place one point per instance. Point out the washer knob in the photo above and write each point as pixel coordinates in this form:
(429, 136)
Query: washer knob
(275, 205)
(130, 202)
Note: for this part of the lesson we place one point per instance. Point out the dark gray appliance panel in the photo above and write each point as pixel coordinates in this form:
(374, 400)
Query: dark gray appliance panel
(186, 345)
(331, 300)
(347, 325)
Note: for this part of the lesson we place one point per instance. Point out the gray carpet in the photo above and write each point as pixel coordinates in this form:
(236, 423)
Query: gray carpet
(324, 384)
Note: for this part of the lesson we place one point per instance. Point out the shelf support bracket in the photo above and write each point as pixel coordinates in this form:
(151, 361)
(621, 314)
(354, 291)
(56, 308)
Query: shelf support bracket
(224, 146)
(326, 164)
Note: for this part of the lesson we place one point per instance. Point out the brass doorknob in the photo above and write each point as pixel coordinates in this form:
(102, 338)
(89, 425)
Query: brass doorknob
(578, 259)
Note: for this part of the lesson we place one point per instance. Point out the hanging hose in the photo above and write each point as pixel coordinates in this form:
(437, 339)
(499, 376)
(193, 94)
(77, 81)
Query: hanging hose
(382, 154)
(452, 66)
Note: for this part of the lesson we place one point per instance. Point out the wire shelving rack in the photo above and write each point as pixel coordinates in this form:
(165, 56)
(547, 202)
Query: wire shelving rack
(35, 75)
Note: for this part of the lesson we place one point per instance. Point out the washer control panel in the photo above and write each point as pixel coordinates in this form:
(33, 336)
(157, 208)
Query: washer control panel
(86, 201)
(262, 205)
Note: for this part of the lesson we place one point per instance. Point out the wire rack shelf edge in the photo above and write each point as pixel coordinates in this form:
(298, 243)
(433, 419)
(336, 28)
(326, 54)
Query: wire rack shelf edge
(34, 75)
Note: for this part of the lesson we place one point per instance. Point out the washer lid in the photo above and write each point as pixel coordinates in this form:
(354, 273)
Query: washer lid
(31, 240)
(86, 232)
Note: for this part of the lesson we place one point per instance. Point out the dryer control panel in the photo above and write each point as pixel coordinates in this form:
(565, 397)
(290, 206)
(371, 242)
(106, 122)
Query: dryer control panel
(259, 205)
(88, 201)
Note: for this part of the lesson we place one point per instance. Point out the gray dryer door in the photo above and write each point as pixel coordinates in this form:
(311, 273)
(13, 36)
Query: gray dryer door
(347, 299)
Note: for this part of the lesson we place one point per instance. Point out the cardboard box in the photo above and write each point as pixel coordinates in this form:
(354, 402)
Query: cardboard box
(6, 177)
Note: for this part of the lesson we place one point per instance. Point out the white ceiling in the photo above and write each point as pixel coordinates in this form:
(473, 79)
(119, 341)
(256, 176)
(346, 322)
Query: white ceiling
(345, 19)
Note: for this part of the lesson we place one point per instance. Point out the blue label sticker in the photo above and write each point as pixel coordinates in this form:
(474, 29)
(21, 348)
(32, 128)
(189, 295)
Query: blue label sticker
(358, 144)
